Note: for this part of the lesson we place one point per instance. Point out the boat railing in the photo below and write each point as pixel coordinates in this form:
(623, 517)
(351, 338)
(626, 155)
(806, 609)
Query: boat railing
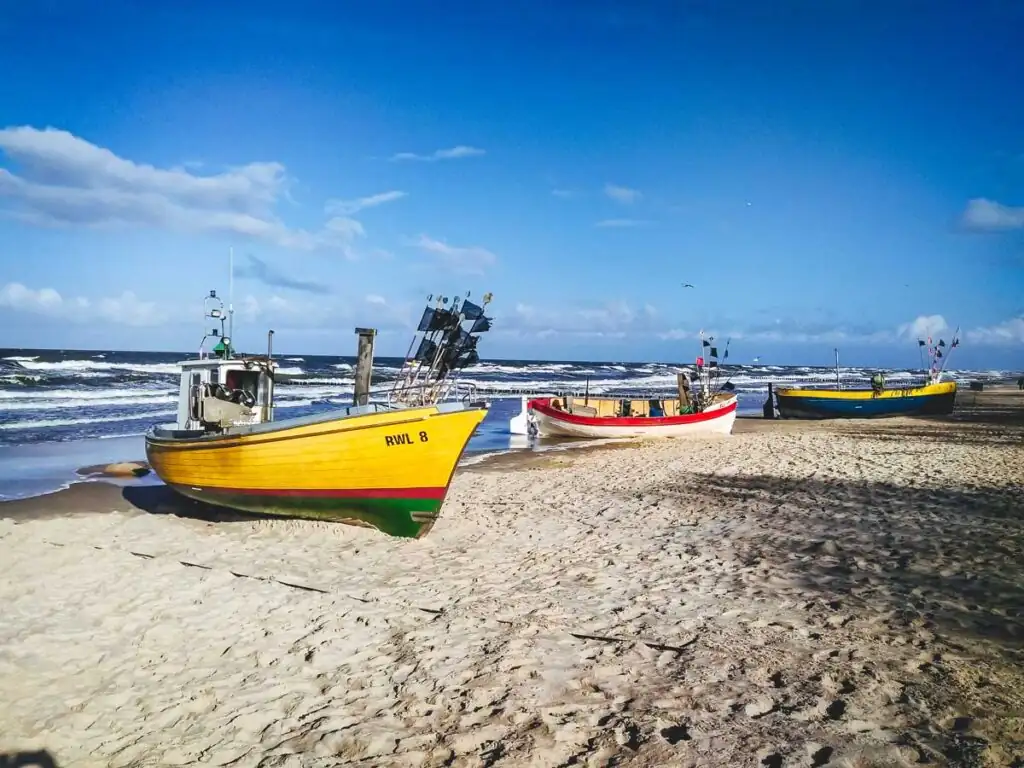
(429, 393)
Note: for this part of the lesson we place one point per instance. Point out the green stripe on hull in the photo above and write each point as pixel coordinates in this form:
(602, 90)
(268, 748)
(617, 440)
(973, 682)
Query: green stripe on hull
(407, 518)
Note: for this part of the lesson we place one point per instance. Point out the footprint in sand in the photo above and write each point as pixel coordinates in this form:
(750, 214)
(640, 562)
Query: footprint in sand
(836, 709)
(674, 734)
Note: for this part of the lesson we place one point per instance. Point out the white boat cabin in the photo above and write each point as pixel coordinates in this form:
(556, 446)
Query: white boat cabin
(217, 394)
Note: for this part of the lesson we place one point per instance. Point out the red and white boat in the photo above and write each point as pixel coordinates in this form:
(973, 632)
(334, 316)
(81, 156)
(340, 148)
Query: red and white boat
(708, 410)
(615, 417)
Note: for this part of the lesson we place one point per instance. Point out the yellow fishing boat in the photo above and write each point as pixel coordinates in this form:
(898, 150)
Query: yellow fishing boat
(932, 398)
(374, 464)
(925, 400)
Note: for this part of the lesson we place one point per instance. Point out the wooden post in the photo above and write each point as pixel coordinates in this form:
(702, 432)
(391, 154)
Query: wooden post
(683, 385)
(268, 389)
(364, 365)
(768, 411)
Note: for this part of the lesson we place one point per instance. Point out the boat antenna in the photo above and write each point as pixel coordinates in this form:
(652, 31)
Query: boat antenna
(945, 358)
(231, 303)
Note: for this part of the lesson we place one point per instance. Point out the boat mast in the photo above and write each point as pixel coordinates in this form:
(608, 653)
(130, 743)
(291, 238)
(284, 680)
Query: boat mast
(231, 302)
(945, 358)
(838, 385)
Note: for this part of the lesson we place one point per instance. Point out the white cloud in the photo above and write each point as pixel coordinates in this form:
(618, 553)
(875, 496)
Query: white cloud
(622, 223)
(839, 335)
(565, 194)
(623, 195)
(923, 327)
(253, 314)
(345, 227)
(67, 181)
(350, 207)
(472, 260)
(126, 309)
(612, 320)
(454, 153)
(676, 334)
(987, 215)
(1007, 332)
(286, 315)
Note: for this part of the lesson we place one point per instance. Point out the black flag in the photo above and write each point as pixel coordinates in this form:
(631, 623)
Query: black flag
(458, 338)
(426, 320)
(920, 342)
(435, 319)
(471, 311)
(426, 352)
(481, 325)
(714, 352)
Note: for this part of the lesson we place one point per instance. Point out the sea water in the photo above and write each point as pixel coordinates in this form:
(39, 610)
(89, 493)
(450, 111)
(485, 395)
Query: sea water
(60, 410)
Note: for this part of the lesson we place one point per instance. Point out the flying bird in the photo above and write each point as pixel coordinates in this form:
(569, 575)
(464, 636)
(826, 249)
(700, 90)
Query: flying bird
(687, 285)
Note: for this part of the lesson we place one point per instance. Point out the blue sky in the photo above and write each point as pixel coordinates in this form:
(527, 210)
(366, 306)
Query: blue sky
(842, 174)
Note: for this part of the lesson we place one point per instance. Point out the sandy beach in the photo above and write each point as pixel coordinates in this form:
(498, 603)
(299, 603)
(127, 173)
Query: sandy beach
(798, 594)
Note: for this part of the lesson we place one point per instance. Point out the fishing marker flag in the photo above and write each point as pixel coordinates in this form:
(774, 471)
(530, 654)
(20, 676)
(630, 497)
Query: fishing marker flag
(471, 311)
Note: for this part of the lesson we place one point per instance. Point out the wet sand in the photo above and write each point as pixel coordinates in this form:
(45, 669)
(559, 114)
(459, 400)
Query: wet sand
(800, 594)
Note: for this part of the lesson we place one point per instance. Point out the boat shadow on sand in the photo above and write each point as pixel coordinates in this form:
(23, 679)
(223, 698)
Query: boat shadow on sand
(947, 557)
(162, 500)
(37, 759)
(938, 569)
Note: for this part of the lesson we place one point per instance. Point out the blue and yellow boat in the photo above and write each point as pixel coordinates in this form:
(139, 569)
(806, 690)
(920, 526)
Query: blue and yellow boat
(933, 399)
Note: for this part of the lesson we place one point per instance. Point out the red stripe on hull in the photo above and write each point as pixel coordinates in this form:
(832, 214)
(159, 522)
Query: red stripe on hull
(337, 493)
(629, 421)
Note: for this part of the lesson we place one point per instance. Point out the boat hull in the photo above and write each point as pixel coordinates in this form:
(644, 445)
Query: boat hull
(551, 422)
(929, 400)
(387, 470)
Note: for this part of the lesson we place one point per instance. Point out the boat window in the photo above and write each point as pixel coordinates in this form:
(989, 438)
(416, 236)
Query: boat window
(247, 381)
(214, 376)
